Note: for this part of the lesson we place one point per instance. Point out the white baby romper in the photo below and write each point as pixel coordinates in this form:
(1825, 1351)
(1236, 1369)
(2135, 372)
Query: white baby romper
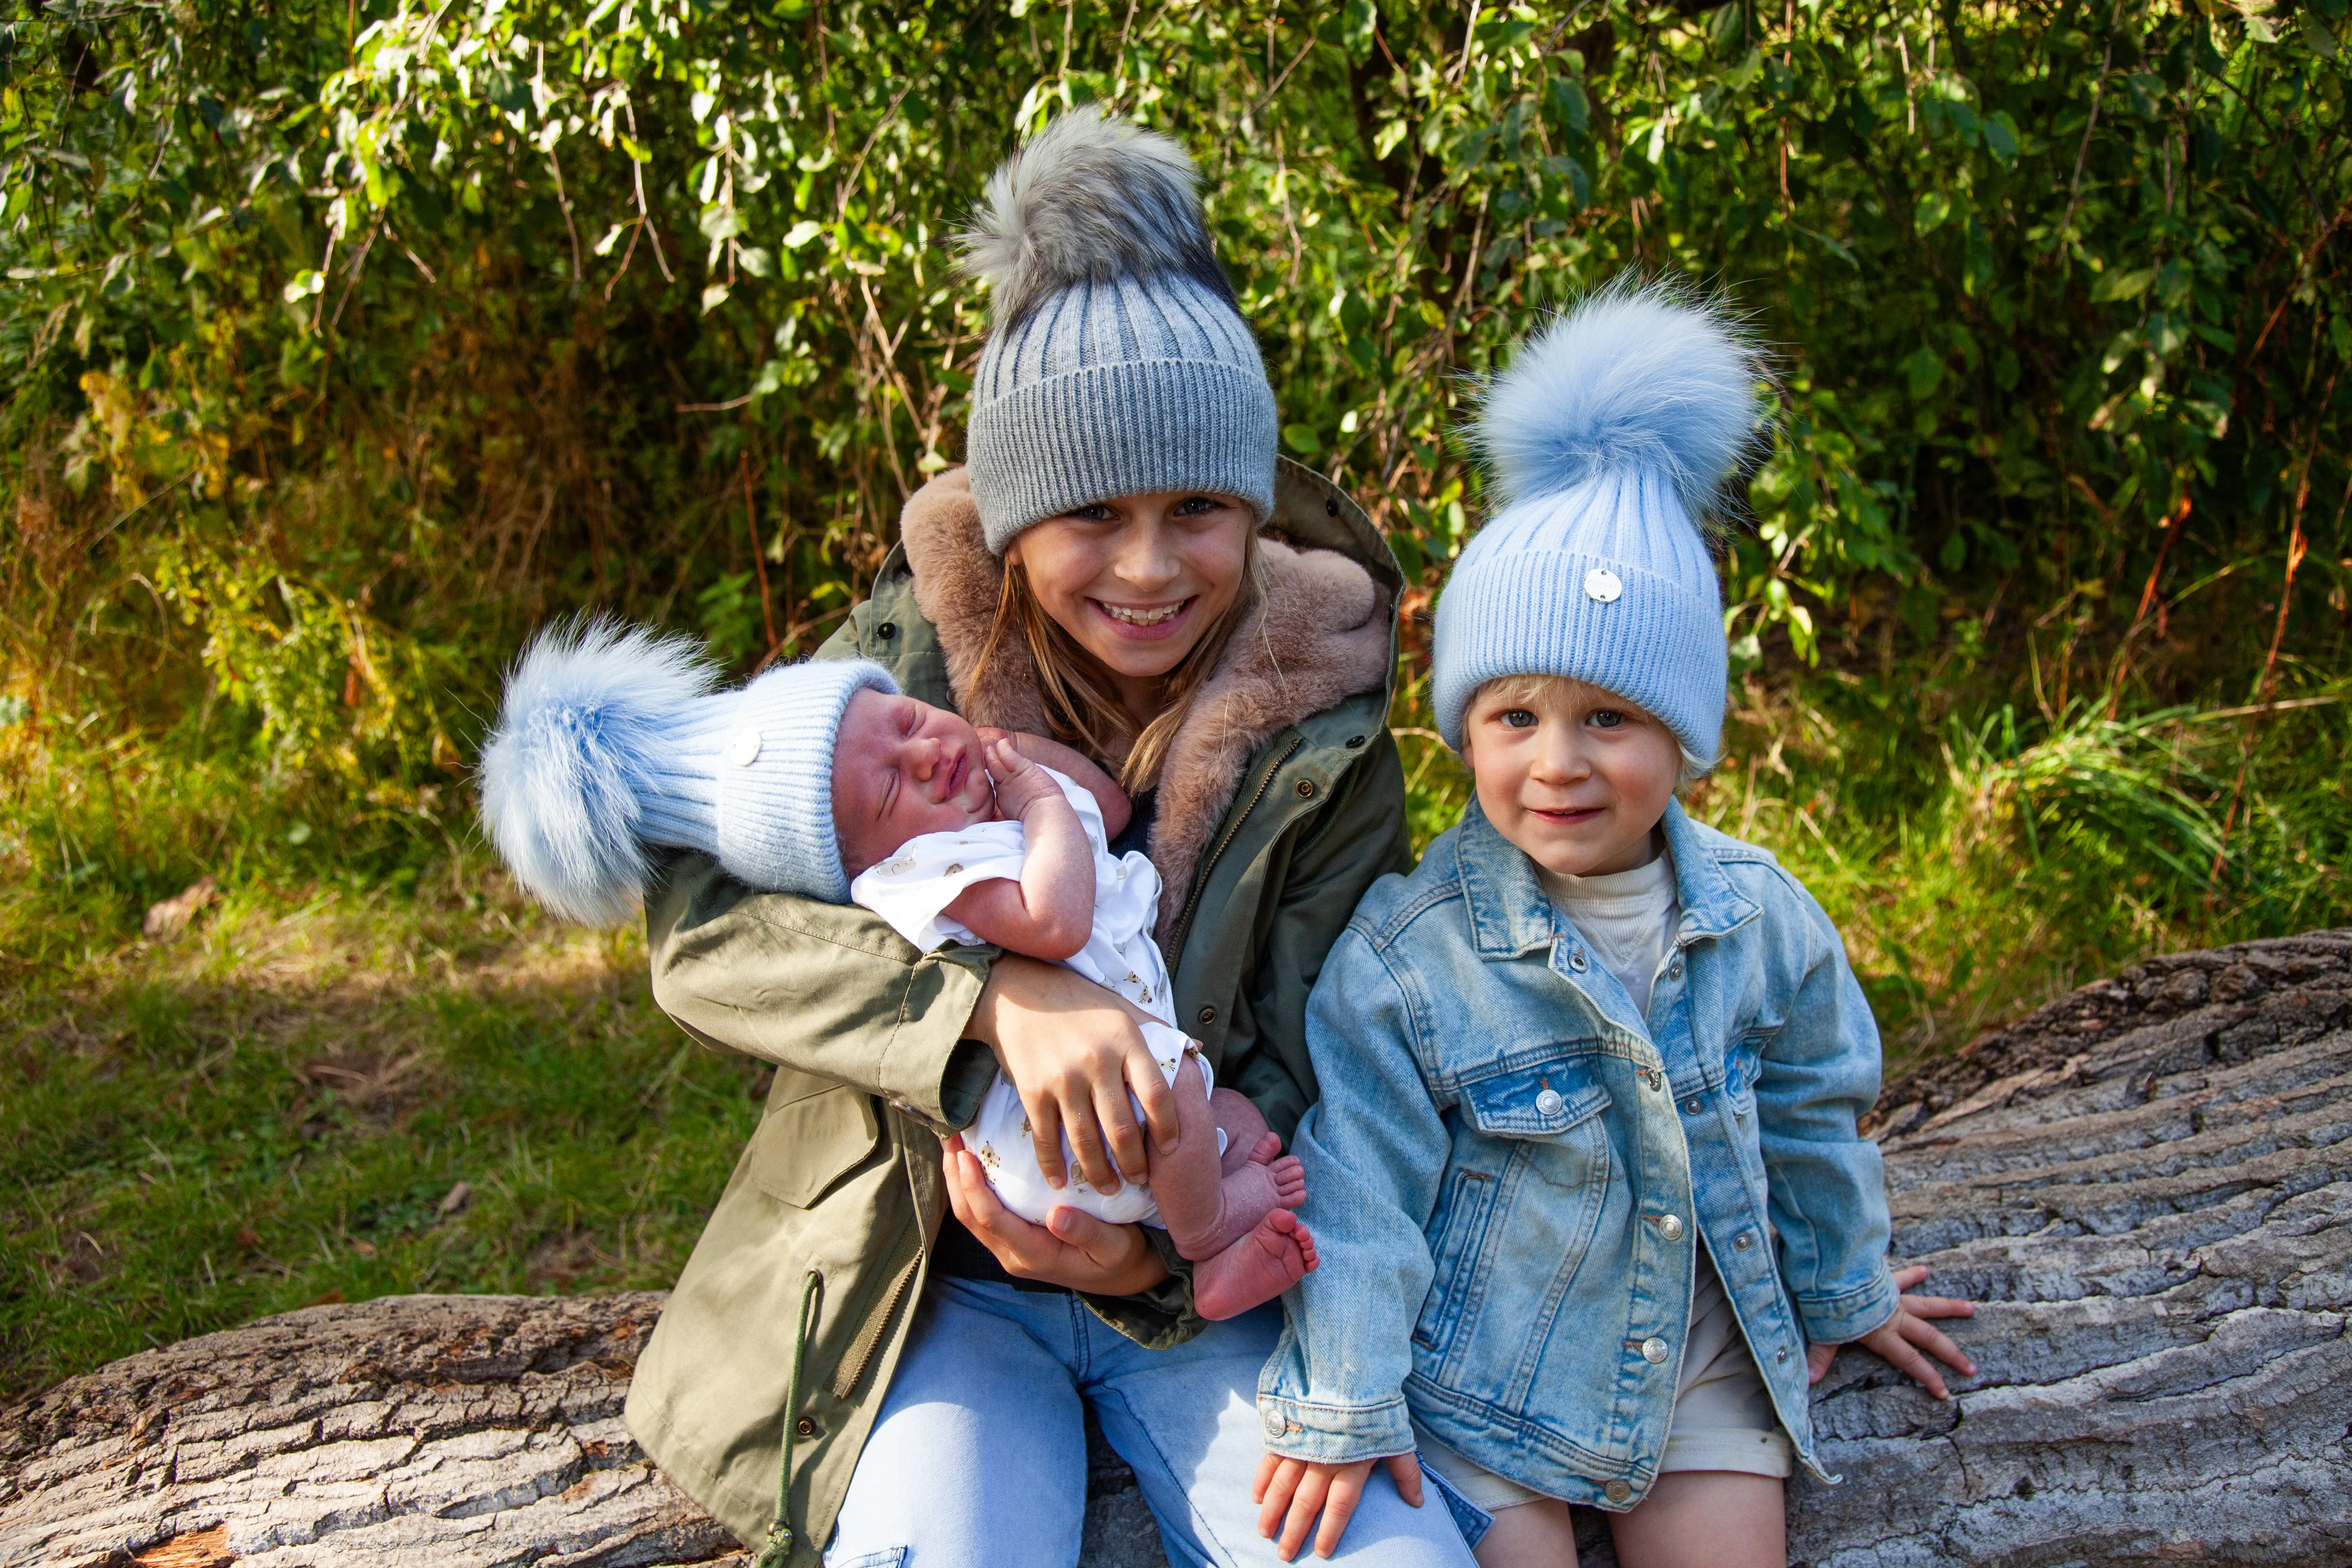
(914, 885)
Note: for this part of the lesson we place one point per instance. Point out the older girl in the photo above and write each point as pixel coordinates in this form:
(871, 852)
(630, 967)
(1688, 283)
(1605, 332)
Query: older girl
(868, 1361)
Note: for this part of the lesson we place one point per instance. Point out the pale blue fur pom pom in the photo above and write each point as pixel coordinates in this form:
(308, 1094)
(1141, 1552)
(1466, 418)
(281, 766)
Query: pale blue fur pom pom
(563, 775)
(1638, 377)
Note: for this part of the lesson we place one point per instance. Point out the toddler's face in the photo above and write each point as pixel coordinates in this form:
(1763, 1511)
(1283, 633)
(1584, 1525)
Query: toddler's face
(1574, 776)
(901, 769)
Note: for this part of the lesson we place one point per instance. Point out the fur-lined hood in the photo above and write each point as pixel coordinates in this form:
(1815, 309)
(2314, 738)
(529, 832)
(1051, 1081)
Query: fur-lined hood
(1322, 634)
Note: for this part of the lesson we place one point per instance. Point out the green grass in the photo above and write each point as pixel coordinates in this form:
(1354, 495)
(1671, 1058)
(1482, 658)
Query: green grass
(277, 1110)
(276, 1107)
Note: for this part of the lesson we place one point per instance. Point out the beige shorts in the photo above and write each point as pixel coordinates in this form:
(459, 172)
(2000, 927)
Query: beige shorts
(1723, 1416)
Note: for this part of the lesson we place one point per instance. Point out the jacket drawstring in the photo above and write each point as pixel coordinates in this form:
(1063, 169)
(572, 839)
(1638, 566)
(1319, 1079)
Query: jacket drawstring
(778, 1547)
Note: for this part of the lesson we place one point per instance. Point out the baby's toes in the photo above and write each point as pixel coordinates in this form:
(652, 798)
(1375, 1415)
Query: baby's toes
(1264, 1152)
(1289, 1181)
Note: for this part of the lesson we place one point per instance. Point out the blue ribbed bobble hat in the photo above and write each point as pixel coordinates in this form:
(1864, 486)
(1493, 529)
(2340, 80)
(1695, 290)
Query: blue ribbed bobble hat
(1118, 363)
(611, 743)
(1608, 438)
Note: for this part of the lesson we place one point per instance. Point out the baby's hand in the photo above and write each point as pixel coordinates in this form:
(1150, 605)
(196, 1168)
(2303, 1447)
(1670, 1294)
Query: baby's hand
(1020, 783)
(1898, 1340)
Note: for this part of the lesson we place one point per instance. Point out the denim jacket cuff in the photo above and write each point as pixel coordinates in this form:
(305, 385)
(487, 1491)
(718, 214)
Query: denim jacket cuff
(1335, 1434)
(1843, 1319)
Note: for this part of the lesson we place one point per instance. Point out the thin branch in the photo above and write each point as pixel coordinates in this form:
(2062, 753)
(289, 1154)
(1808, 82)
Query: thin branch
(564, 201)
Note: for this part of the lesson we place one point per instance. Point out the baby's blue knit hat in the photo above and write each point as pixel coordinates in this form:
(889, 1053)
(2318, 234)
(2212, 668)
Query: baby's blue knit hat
(611, 743)
(1609, 437)
(1118, 363)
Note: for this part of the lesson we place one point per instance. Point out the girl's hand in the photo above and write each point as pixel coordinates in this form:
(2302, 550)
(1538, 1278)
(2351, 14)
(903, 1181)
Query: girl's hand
(1301, 1490)
(1075, 1052)
(1078, 1253)
(1898, 1340)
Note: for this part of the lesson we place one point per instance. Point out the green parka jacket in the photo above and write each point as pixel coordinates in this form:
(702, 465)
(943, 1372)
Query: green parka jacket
(1280, 803)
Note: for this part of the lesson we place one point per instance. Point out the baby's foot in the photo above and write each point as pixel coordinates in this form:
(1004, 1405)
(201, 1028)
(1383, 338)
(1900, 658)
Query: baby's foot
(1261, 1152)
(1242, 1200)
(1256, 1269)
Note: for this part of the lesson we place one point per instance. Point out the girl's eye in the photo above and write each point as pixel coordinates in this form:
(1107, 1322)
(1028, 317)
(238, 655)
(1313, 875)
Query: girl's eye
(1519, 719)
(1093, 512)
(1607, 718)
(1194, 505)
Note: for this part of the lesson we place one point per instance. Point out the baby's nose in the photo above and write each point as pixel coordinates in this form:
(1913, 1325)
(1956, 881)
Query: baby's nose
(923, 757)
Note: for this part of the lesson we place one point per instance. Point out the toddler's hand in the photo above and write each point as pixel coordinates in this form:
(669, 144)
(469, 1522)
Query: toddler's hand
(1020, 783)
(1300, 1490)
(1898, 1340)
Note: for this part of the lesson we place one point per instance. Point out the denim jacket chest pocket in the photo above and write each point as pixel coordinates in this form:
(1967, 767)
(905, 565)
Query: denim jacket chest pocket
(1531, 1159)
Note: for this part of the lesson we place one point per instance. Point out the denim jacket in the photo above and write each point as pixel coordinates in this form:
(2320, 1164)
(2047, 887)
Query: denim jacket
(1510, 1170)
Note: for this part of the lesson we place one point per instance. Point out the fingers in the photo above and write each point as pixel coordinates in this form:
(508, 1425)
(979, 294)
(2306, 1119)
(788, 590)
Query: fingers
(1013, 1240)
(1938, 1307)
(1347, 1491)
(1159, 1100)
(1936, 1343)
(1901, 1354)
(951, 1168)
(1818, 1358)
(1305, 1504)
(1277, 1483)
(1907, 1277)
(1405, 1470)
(1104, 1244)
(1082, 1124)
(1122, 1138)
(1044, 1115)
(1268, 1465)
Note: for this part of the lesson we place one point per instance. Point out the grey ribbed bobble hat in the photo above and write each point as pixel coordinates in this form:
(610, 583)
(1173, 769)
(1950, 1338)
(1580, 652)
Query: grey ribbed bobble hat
(1118, 363)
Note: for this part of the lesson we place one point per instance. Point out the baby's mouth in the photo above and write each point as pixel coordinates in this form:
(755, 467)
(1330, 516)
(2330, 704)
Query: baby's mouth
(1157, 616)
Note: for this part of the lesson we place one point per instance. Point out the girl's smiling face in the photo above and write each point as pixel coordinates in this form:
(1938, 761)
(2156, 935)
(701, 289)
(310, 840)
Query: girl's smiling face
(1576, 777)
(901, 769)
(1137, 581)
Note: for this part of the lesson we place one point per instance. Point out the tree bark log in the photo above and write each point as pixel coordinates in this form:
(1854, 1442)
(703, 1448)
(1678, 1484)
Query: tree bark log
(2148, 1184)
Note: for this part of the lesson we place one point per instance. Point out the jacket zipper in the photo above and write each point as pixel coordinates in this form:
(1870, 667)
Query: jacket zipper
(1200, 882)
(853, 1365)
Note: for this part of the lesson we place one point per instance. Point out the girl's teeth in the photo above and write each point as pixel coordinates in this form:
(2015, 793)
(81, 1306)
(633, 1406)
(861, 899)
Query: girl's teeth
(1142, 617)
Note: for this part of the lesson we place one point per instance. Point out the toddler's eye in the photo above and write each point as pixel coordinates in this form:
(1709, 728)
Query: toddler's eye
(1193, 506)
(1607, 718)
(1093, 511)
(1519, 719)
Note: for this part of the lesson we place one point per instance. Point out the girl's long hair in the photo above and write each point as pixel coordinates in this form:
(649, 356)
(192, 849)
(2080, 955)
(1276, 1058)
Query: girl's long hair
(1082, 706)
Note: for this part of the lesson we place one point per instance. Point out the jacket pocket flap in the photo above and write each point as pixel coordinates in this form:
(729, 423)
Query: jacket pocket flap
(804, 1147)
(1536, 1102)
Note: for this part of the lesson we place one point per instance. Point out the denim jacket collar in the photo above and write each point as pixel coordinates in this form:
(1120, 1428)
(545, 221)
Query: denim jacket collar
(1510, 914)
(1712, 906)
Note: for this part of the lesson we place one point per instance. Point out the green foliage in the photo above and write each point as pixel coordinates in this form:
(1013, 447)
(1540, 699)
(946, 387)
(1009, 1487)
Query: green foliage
(341, 346)
(346, 344)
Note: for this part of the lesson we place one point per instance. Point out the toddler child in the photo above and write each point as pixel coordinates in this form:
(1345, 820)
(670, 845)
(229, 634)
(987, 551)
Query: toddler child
(1590, 1195)
(610, 744)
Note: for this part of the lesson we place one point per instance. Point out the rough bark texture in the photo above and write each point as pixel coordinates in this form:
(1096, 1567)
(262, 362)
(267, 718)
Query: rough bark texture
(2148, 1184)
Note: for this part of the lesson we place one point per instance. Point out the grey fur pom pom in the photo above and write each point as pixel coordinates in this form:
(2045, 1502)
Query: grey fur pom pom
(1089, 198)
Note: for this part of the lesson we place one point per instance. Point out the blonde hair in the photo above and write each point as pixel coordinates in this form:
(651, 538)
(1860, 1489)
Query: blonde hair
(1531, 690)
(1082, 706)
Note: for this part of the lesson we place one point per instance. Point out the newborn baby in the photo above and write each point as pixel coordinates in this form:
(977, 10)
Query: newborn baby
(611, 748)
(956, 834)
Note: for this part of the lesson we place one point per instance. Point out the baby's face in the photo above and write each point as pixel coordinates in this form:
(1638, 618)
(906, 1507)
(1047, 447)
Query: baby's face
(901, 769)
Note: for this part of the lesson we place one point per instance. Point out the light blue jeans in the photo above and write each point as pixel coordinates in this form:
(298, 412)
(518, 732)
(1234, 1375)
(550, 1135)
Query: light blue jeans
(979, 1454)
